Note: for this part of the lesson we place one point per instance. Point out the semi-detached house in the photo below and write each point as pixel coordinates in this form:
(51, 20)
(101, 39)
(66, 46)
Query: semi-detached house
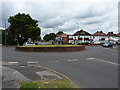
(99, 37)
(79, 37)
(96, 38)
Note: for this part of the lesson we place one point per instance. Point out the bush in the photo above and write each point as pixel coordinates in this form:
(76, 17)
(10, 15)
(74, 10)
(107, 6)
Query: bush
(69, 43)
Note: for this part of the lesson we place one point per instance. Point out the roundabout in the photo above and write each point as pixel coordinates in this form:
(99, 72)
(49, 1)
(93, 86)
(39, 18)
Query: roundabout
(50, 48)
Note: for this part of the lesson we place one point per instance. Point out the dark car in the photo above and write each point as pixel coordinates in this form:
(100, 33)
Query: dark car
(107, 44)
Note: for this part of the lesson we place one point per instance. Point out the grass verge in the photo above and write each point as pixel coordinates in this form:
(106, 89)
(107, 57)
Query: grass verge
(60, 83)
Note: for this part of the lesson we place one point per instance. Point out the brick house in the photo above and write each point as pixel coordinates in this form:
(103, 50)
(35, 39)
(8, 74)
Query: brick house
(63, 37)
(118, 38)
(80, 36)
(99, 37)
(112, 37)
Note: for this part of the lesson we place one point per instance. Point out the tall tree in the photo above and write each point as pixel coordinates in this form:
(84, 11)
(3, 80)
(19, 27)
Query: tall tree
(50, 36)
(22, 27)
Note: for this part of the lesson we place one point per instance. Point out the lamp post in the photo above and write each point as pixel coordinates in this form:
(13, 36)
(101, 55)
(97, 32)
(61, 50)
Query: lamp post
(5, 31)
(77, 27)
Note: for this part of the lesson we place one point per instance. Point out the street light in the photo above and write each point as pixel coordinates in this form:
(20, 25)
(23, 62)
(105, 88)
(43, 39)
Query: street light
(5, 31)
(77, 27)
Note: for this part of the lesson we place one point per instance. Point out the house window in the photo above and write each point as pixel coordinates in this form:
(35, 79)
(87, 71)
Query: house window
(70, 41)
(102, 39)
(86, 38)
(70, 36)
(80, 39)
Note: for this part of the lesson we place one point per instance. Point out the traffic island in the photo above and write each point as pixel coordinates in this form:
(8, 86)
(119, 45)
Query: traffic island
(50, 48)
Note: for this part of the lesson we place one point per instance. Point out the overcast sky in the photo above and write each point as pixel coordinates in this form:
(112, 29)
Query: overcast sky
(67, 16)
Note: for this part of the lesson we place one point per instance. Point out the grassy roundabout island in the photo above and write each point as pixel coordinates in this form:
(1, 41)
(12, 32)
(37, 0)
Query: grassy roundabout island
(51, 48)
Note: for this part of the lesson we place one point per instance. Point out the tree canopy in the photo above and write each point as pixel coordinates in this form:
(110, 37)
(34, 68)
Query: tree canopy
(50, 36)
(59, 33)
(22, 27)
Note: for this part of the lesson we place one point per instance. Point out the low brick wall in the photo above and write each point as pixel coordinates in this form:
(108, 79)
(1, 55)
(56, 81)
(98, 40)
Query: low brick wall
(50, 49)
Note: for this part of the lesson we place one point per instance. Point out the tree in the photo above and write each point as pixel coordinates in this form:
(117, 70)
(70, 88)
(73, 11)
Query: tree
(50, 36)
(22, 27)
(59, 33)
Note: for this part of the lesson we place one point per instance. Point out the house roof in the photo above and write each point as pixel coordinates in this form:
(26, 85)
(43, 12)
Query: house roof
(62, 35)
(99, 33)
(111, 34)
(65, 34)
(118, 35)
(58, 35)
(81, 32)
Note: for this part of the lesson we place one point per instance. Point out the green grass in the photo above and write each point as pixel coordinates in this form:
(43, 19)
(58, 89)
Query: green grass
(61, 83)
(51, 46)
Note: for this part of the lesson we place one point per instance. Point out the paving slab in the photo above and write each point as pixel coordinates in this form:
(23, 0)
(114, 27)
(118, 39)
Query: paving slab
(12, 75)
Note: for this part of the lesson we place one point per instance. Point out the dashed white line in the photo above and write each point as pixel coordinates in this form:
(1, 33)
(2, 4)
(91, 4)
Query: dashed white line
(13, 62)
(76, 59)
(106, 48)
(54, 61)
(22, 66)
(107, 61)
(32, 62)
(89, 58)
(72, 60)
(102, 61)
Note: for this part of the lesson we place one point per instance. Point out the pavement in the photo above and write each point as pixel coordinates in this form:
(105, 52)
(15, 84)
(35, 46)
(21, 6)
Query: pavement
(95, 67)
(13, 75)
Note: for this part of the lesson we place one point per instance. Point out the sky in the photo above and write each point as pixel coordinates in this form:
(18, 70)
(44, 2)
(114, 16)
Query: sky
(68, 16)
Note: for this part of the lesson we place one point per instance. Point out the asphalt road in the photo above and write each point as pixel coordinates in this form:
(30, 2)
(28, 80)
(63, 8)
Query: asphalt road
(95, 67)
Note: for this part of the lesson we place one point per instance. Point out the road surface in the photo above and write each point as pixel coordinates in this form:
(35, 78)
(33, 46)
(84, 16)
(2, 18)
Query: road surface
(95, 67)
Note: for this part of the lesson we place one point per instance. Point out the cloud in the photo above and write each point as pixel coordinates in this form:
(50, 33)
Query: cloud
(63, 15)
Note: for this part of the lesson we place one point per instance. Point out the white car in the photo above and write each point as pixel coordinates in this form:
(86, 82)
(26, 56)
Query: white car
(28, 43)
(44, 43)
(97, 42)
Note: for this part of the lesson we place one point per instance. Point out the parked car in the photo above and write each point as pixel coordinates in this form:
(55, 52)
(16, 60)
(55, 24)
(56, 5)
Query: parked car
(28, 43)
(97, 42)
(107, 44)
(118, 42)
(44, 43)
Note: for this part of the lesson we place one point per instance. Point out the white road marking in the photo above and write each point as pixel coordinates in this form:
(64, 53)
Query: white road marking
(107, 61)
(106, 48)
(115, 48)
(72, 60)
(22, 66)
(13, 62)
(89, 58)
(54, 61)
(32, 62)
(102, 61)
(76, 59)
